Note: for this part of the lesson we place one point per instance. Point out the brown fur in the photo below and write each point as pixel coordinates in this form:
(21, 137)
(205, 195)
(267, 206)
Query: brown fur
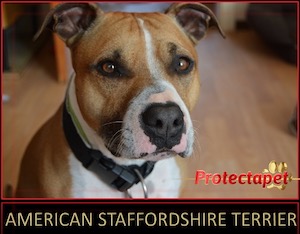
(45, 169)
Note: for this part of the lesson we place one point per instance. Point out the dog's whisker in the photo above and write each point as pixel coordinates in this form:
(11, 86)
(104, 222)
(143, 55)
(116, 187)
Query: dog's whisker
(120, 147)
(197, 145)
(114, 138)
(113, 122)
(196, 121)
(196, 130)
(197, 136)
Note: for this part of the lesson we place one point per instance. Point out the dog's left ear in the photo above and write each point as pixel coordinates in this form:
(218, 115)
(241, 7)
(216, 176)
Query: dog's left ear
(194, 18)
(70, 20)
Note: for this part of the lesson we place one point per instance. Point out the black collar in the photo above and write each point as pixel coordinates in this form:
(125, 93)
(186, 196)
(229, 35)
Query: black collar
(119, 177)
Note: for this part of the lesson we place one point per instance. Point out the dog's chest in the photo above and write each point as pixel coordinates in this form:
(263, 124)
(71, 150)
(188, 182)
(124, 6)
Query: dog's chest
(163, 182)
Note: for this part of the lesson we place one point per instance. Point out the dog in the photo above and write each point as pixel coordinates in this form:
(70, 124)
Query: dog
(126, 115)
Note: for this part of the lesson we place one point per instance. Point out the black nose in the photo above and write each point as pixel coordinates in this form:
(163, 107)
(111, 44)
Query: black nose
(164, 124)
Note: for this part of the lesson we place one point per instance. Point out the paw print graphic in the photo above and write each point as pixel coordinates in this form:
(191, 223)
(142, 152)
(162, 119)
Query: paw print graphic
(275, 168)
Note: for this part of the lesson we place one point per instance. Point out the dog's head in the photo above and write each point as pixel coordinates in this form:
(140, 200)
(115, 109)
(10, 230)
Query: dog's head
(136, 74)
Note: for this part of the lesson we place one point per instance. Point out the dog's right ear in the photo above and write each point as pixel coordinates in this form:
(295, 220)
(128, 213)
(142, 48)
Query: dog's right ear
(70, 20)
(194, 19)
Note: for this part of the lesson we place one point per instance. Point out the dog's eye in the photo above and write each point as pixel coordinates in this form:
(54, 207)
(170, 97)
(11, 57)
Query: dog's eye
(109, 69)
(182, 65)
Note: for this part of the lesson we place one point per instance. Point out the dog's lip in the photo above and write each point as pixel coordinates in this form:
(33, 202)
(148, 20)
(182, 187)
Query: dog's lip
(157, 152)
(164, 150)
(169, 151)
(160, 154)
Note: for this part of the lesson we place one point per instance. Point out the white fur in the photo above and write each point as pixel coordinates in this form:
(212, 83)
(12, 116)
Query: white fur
(153, 65)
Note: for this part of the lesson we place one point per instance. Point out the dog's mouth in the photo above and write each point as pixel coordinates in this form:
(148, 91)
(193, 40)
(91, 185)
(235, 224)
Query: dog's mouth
(158, 154)
(154, 156)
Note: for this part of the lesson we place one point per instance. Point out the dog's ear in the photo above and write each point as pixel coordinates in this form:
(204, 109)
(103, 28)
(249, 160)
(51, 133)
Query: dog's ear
(194, 18)
(70, 20)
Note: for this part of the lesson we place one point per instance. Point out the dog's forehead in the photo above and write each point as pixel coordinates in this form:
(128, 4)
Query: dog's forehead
(162, 26)
(130, 21)
(129, 28)
(125, 32)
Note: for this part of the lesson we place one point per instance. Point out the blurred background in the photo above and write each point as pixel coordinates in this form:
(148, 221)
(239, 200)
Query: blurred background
(246, 115)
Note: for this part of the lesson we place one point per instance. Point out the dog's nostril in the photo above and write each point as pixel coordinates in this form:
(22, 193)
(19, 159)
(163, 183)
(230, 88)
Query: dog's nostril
(159, 123)
(177, 123)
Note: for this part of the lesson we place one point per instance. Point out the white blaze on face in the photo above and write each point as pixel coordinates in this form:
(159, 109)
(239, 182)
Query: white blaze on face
(135, 142)
(153, 65)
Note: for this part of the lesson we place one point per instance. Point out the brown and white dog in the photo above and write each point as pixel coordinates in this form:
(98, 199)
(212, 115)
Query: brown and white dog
(126, 113)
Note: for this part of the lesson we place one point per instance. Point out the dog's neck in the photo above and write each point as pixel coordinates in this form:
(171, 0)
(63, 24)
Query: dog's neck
(89, 136)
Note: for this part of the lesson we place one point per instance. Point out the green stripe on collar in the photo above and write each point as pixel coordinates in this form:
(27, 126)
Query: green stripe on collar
(77, 123)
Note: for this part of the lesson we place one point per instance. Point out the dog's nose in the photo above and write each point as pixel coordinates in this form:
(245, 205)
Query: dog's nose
(164, 124)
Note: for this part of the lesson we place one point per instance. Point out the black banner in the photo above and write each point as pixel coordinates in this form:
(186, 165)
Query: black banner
(186, 216)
